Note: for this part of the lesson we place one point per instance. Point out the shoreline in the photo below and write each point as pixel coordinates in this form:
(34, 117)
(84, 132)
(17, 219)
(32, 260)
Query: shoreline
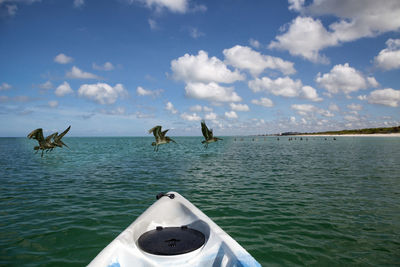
(353, 135)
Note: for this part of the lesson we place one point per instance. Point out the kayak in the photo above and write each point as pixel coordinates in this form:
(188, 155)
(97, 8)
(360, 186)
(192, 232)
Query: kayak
(173, 232)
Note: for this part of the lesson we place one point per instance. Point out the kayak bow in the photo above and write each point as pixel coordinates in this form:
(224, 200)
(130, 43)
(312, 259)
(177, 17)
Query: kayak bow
(173, 232)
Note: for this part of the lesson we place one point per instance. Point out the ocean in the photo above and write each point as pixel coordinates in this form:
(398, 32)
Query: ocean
(316, 202)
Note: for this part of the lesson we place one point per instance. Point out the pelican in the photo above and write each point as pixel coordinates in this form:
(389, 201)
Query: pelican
(208, 135)
(57, 138)
(160, 137)
(44, 144)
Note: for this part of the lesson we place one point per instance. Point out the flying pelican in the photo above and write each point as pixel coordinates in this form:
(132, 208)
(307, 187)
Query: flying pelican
(57, 138)
(44, 144)
(160, 137)
(208, 135)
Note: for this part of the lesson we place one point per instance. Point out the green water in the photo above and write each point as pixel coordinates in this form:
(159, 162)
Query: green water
(317, 202)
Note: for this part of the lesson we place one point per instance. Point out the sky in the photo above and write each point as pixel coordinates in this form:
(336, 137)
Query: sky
(120, 67)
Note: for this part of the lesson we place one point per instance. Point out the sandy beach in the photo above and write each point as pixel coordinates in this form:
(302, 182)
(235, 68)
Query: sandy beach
(357, 135)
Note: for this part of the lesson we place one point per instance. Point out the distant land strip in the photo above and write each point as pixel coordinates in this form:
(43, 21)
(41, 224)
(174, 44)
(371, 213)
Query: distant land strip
(388, 130)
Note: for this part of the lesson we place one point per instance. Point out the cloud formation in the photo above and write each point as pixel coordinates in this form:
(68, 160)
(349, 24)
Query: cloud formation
(102, 93)
(77, 73)
(201, 68)
(285, 87)
(170, 107)
(63, 59)
(231, 115)
(239, 107)
(345, 79)
(388, 97)
(212, 92)
(245, 58)
(263, 101)
(5, 86)
(63, 89)
(190, 117)
(389, 58)
(105, 67)
(144, 92)
(306, 36)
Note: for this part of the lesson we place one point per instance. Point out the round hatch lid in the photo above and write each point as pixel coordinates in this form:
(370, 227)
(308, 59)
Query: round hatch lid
(171, 240)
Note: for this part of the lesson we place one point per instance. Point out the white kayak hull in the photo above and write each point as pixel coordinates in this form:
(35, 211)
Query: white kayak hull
(219, 248)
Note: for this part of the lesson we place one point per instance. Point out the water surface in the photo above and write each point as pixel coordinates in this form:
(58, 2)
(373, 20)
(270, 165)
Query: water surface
(316, 202)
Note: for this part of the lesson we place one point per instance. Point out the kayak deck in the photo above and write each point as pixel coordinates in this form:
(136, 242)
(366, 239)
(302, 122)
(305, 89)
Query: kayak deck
(179, 219)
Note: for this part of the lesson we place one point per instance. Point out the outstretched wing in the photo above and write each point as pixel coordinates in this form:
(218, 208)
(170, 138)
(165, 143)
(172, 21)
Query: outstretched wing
(36, 134)
(163, 133)
(48, 138)
(206, 132)
(58, 137)
(156, 130)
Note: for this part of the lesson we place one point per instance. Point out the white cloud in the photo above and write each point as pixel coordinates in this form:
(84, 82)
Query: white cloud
(244, 57)
(207, 109)
(285, 87)
(76, 73)
(153, 24)
(53, 103)
(47, 85)
(343, 78)
(195, 33)
(201, 68)
(351, 118)
(144, 92)
(333, 107)
(305, 37)
(79, 3)
(198, 108)
(388, 97)
(231, 115)
(212, 92)
(254, 43)
(353, 106)
(310, 93)
(170, 107)
(5, 86)
(176, 6)
(190, 117)
(263, 101)
(102, 93)
(211, 116)
(389, 58)
(362, 97)
(63, 59)
(106, 66)
(296, 5)
(63, 89)
(309, 110)
(358, 19)
(11, 6)
(116, 111)
(239, 107)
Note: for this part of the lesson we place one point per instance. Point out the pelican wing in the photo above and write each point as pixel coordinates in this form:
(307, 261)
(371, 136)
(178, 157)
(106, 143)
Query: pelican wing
(48, 138)
(206, 132)
(164, 132)
(156, 130)
(58, 137)
(36, 134)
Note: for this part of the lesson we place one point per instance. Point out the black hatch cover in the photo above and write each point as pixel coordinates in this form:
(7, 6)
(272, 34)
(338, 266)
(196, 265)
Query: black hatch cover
(171, 240)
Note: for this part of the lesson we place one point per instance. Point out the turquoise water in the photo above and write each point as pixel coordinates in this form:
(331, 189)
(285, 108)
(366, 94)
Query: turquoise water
(316, 202)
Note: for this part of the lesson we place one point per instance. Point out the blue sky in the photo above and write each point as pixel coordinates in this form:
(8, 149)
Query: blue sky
(120, 67)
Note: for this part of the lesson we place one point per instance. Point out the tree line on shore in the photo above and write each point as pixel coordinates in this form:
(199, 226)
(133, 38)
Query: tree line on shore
(381, 130)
